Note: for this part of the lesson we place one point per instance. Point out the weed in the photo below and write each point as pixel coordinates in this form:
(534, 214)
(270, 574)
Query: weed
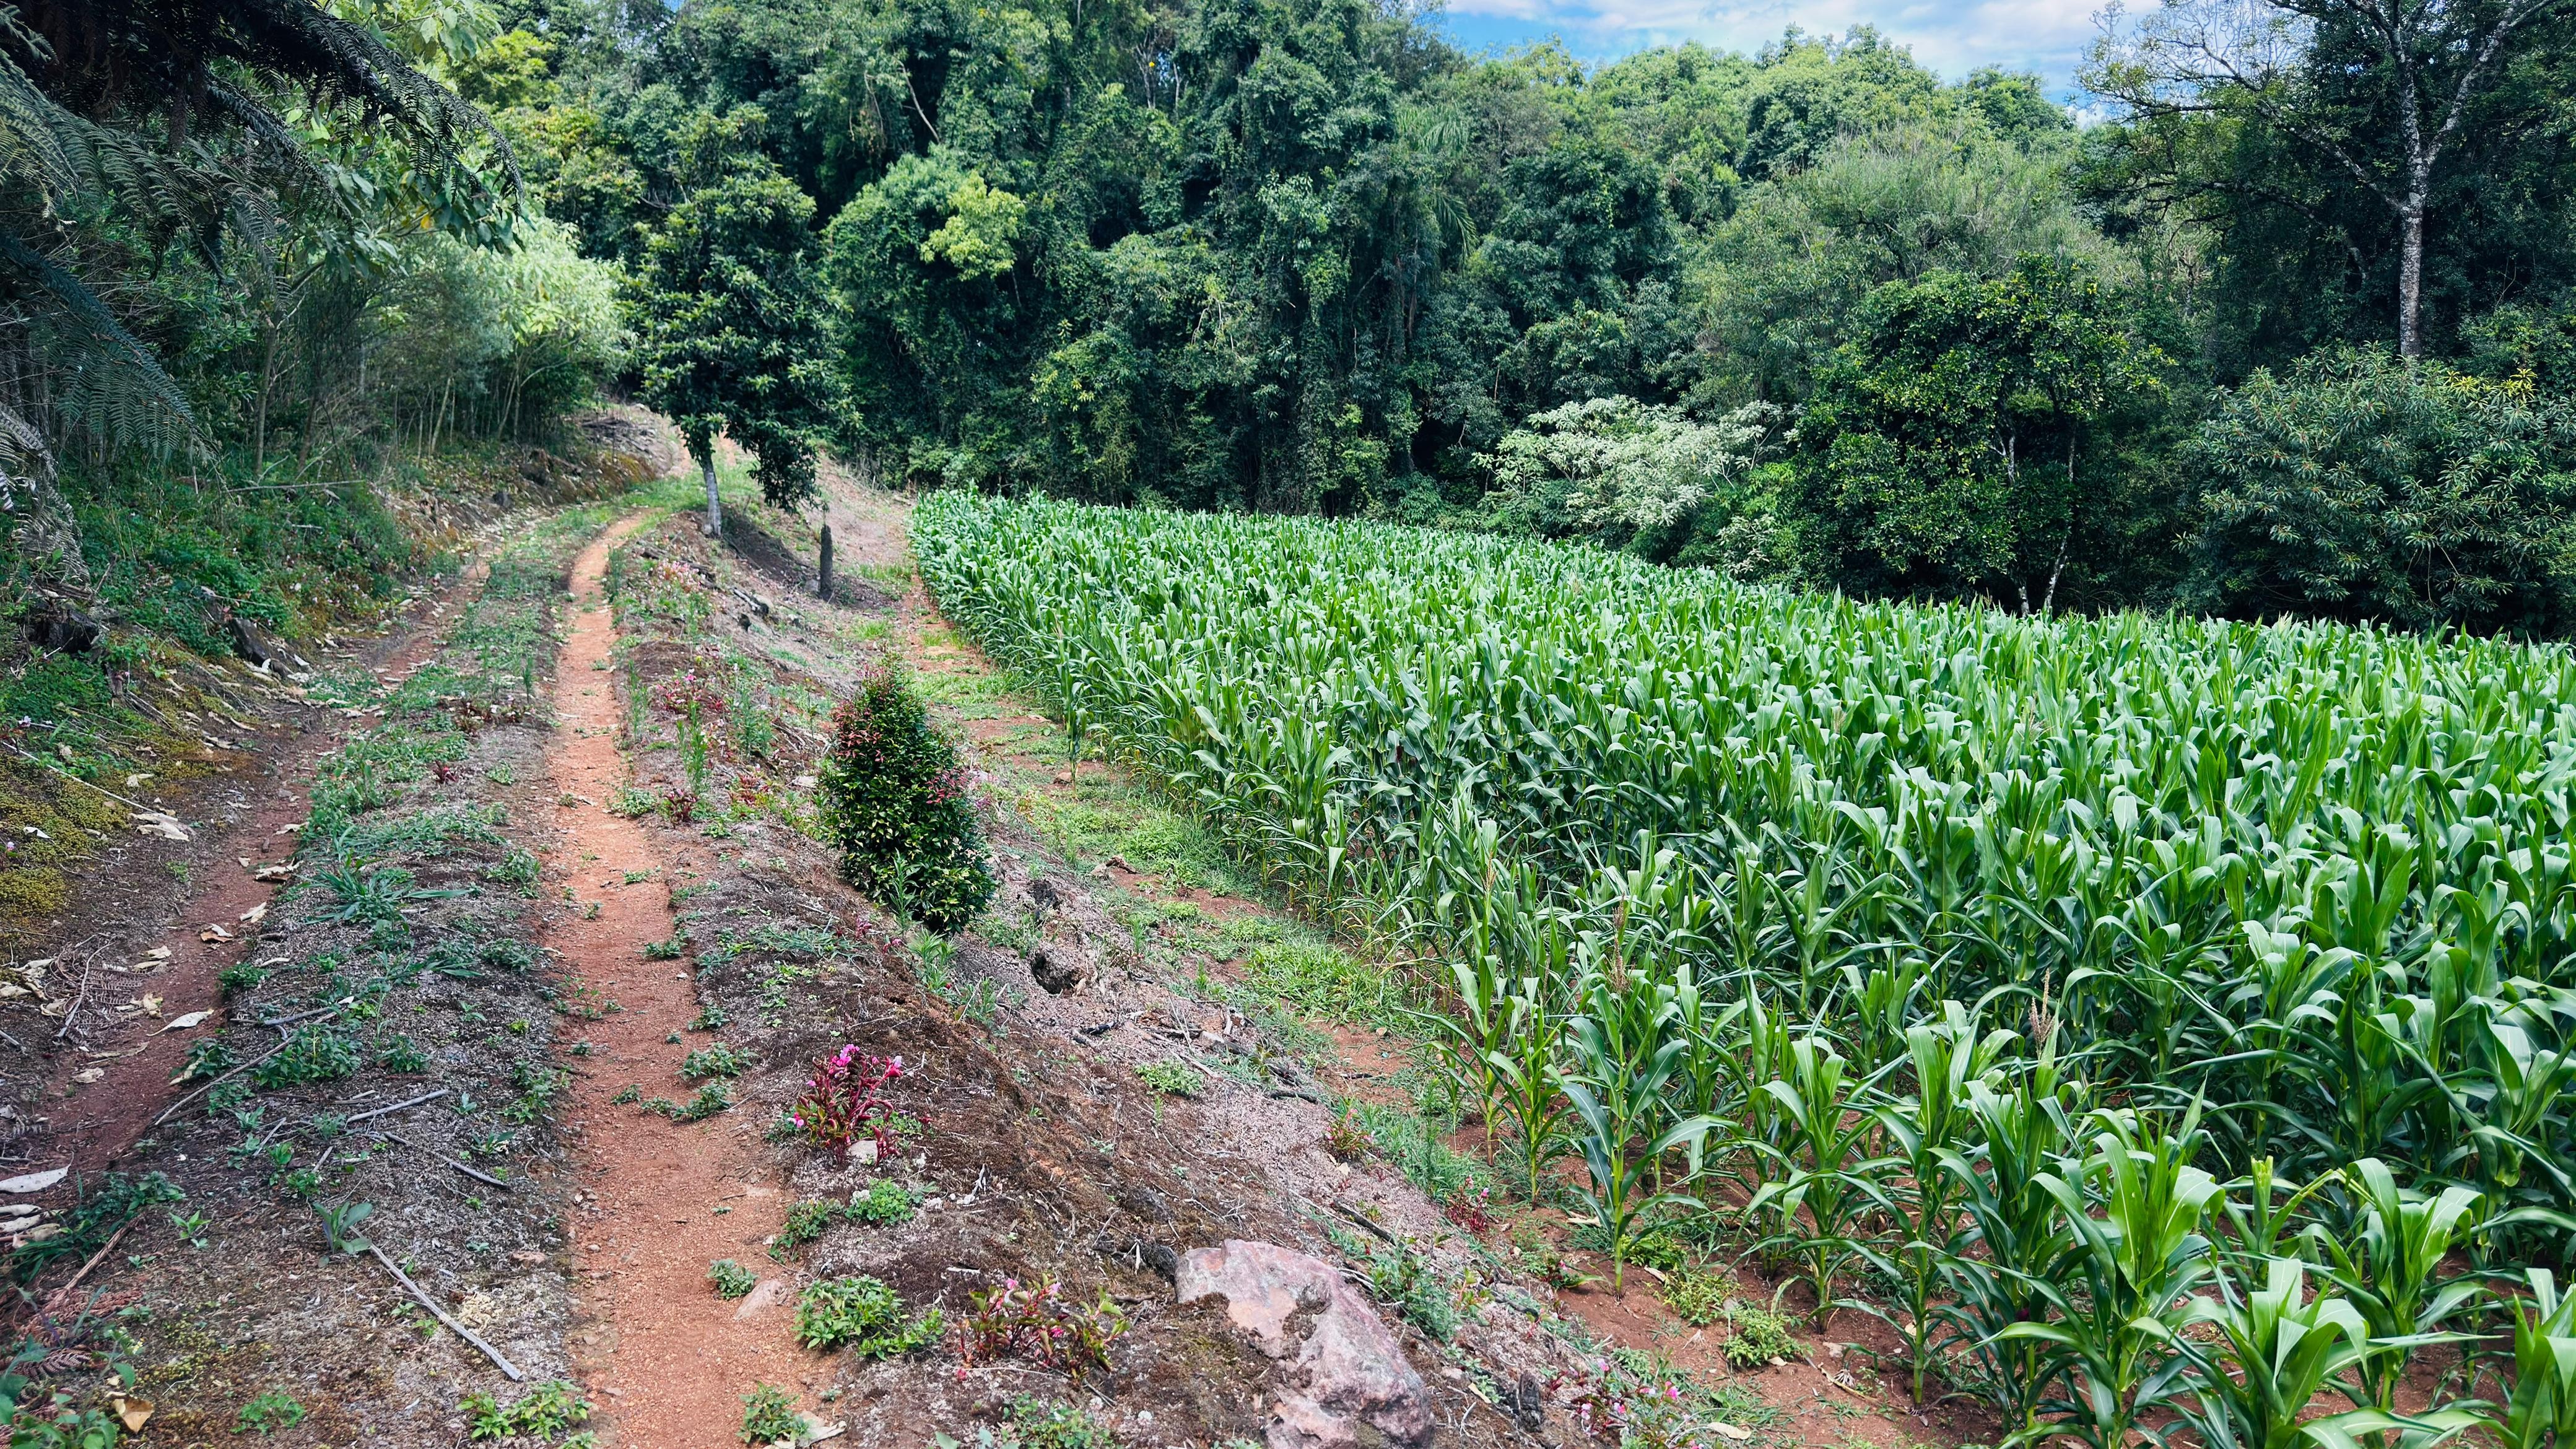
(711, 1099)
(806, 1221)
(314, 1053)
(1471, 1207)
(268, 1412)
(769, 1416)
(517, 868)
(632, 803)
(401, 1054)
(191, 1227)
(1755, 1335)
(1697, 1295)
(671, 949)
(1344, 1139)
(1037, 1322)
(719, 1060)
(340, 1225)
(95, 1218)
(732, 1279)
(885, 1204)
(1171, 1079)
(1399, 1276)
(545, 1413)
(239, 977)
(1037, 1424)
(207, 1057)
(709, 1018)
(507, 954)
(631, 1092)
(862, 1314)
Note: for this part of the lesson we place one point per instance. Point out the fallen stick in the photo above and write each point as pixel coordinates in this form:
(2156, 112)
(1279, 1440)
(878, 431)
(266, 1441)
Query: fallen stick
(396, 1107)
(235, 1072)
(1363, 1223)
(443, 1157)
(459, 1329)
(54, 1300)
(301, 1015)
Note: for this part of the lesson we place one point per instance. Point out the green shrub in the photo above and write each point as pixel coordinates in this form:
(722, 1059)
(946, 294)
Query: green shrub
(545, 1413)
(1169, 1078)
(861, 1314)
(769, 1415)
(732, 1279)
(885, 1204)
(315, 1053)
(2360, 485)
(894, 803)
(719, 1060)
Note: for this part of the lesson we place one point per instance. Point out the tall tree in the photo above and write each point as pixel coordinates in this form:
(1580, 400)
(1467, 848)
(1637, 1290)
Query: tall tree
(728, 320)
(1954, 443)
(2383, 87)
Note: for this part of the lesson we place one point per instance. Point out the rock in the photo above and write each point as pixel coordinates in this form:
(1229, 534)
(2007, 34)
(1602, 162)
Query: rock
(1055, 968)
(53, 624)
(253, 646)
(1528, 1405)
(769, 1294)
(1344, 1367)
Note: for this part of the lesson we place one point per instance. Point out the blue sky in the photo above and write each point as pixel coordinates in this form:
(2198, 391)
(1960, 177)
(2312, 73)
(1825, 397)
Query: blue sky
(1953, 37)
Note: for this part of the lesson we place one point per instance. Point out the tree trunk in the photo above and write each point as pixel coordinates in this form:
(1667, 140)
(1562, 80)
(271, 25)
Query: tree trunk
(2410, 280)
(715, 501)
(823, 581)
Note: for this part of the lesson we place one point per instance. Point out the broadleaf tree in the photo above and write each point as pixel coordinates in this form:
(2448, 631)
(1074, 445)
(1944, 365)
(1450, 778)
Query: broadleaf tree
(729, 321)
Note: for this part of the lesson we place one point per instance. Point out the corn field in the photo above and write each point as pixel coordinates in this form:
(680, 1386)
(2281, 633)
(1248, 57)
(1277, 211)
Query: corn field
(2162, 1024)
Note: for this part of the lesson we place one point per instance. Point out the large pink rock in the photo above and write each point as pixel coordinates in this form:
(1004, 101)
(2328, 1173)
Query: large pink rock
(1343, 1367)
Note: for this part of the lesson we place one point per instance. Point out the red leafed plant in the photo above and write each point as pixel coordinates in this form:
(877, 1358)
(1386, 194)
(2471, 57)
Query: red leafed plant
(1036, 1322)
(687, 694)
(846, 1100)
(1471, 1207)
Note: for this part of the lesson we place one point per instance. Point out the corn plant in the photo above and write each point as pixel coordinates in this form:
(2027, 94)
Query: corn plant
(2316, 875)
(2275, 1350)
(2388, 1260)
(1527, 1095)
(1946, 1057)
(1622, 1058)
(1829, 1182)
(2001, 1170)
(2120, 1289)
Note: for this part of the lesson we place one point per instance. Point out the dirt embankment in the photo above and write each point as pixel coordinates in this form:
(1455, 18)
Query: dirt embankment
(504, 1076)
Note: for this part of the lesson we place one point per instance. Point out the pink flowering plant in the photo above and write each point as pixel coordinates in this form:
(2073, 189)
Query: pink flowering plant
(1636, 1401)
(1036, 1323)
(845, 1101)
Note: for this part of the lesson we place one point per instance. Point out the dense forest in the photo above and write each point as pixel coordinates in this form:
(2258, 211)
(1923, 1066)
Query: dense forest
(2280, 322)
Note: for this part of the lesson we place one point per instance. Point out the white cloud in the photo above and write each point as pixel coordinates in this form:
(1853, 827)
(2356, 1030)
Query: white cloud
(1953, 37)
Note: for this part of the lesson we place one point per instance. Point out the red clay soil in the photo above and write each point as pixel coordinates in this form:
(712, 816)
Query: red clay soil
(666, 1360)
(136, 1055)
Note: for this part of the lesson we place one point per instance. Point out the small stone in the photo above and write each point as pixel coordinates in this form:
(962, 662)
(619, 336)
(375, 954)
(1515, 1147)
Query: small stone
(1056, 969)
